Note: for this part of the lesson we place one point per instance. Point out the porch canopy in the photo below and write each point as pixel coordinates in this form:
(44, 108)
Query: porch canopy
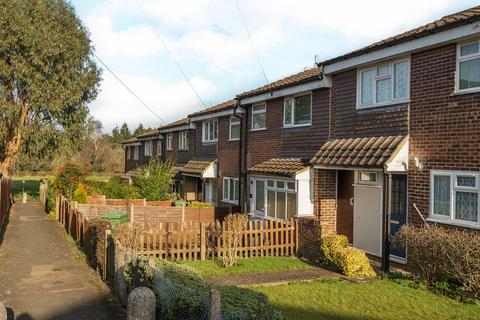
(389, 152)
(288, 167)
(200, 168)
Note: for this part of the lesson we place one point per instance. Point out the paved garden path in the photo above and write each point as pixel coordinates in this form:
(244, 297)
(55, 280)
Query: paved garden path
(43, 275)
(273, 277)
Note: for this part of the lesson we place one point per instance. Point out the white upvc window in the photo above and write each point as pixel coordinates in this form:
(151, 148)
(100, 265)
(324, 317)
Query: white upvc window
(297, 111)
(231, 190)
(169, 139)
(135, 152)
(148, 148)
(468, 67)
(159, 147)
(128, 150)
(383, 84)
(259, 117)
(210, 131)
(275, 199)
(183, 140)
(454, 197)
(234, 132)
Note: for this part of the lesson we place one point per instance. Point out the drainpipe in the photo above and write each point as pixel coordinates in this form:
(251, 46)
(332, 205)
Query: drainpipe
(240, 184)
(386, 223)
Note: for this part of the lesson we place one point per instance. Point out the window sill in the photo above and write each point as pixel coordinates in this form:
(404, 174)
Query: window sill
(455, 224)
(382, 105)
(233, 140)
(230, 201)
(465, 91)
(210, 142)
(297, 126)
(261, 129)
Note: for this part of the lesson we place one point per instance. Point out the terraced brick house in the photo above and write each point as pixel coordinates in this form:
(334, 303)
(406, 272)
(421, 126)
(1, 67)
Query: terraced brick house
(140, 149)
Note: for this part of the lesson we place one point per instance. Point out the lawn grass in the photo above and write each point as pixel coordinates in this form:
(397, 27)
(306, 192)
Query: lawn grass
(248, 265)
(31, 186)
(378, 299)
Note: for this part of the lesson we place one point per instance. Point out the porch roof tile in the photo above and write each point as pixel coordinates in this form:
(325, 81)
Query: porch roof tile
(372, 152)
(280, 166)
(196, 167)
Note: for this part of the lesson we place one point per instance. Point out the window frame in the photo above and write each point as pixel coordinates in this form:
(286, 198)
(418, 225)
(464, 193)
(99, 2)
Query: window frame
(136, 151)
(206, 129)
(275, 189)
(391, 76)
(169, 141)
(450, 219)
(150, 148)
(230, 128)
(264, 105)
(228, 182)
(183, 141)
(292, 98)
(159, 147)
(362, 181)
(460, 59)
(129, 152)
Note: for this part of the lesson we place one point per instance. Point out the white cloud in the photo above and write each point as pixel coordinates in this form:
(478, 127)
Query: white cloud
(115, 104)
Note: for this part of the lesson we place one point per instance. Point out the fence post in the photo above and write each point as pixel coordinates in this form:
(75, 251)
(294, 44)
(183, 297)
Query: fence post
(105, 254)
(144, 202)
(203, 246)
(296, 237)
(214, 306)
(131, 213)
(183, 215)
(57, 207)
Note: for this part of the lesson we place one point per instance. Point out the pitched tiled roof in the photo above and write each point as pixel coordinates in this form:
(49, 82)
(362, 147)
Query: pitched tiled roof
(442, 24)
(217, 108)
(174, 124)
(357, 152)
(196, 166)
(150, 133)
(298, 78)
(130, 140)
(280, 166)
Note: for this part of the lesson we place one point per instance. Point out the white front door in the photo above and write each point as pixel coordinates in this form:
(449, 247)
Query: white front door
(367, 219)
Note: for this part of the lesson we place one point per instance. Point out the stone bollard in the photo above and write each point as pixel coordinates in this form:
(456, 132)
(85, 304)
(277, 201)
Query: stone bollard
(3, 312)
(214, 307)
(141, 304)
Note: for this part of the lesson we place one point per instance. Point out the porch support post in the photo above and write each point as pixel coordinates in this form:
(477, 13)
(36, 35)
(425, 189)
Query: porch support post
(386, 224)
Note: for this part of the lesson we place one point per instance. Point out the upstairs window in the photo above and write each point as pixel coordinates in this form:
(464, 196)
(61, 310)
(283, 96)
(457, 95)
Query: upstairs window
(159, 147)
(135, 152)
(148, 148)
(383, 84)
(210, 131)
(128, 150)
(297, 111)
(468, 67)
(183, 140)
(234, 128)
(169, 139)
(259, 117)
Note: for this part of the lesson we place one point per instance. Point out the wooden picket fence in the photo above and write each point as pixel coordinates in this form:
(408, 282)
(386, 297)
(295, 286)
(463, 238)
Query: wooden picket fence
(192, 241)
(5, 199)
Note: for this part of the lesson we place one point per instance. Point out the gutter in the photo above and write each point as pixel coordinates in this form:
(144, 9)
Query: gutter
(241, 185)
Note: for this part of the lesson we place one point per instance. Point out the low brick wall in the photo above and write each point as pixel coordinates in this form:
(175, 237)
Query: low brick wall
(309, 237)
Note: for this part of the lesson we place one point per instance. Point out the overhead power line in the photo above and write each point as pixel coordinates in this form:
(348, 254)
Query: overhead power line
(128, 89)
(170, 54)
(251, 42)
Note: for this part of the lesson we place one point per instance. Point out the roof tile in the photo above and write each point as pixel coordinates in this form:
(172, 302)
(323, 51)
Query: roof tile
(280, 166)
(196, 166)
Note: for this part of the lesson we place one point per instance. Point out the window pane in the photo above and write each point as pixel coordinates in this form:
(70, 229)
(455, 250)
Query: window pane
(368, 176)
(287, 111)
(469, 74)
(465, 181)
(271, 183)
(366, 87)
(400, 88)
(260, 195)
(225, 188)
(205, 131)
(280, 184)
(210, 131)
(302, 109)
(291, 185)
(466, 206)
(259, 121)
(441, 195)
(215, 130)
(232, 190)
(383, 90)
(281, 205)
(383, 70)
(469, 49)
(259, 108)
(291, 205)
(237, 190)
(271, 203)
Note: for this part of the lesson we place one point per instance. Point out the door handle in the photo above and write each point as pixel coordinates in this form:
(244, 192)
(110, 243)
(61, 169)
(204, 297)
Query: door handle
(351, 201)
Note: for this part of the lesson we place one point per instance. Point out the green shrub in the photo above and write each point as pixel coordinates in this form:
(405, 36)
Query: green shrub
(138, 273)
(197, 204)
(67, 179)
(154, 181)
(80, 195)
(350, 261)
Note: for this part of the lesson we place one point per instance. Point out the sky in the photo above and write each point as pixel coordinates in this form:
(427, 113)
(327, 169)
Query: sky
(210, 42)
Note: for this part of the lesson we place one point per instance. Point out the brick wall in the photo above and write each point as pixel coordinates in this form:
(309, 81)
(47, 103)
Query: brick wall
(203, 149)
(444, 128)
(348, 122)
(325, 200)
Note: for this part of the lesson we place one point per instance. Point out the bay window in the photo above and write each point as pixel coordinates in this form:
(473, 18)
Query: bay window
(231, 190)
(383, 84)
(148, 148)
(455, 197)
(275, 199)
(297, 111)
(259, 117)
(169, 139)
(210, 131)
(183, 140)
(234, 129)
(468, 67)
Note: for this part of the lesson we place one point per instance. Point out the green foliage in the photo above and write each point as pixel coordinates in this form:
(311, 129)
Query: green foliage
(48, 78)
(350, 261)
(138, 273)
(197, 204)
(114, 188)
(67, 178)
(154, 181)
(80, 195)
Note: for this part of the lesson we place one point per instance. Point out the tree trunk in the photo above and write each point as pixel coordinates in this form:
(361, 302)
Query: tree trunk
(13, 140)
